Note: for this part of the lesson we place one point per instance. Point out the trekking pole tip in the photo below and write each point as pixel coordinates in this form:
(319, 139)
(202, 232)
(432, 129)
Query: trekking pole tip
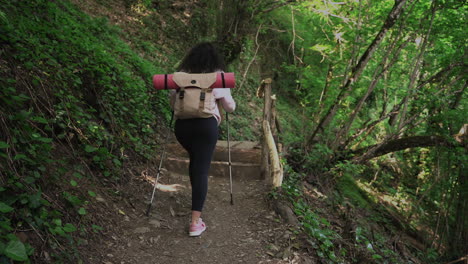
(148, 210)
(232, 201)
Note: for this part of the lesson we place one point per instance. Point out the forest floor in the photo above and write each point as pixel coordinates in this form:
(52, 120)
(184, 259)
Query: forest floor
(247, 232)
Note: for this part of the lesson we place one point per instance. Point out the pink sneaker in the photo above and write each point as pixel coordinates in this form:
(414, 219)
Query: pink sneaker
(197, 229)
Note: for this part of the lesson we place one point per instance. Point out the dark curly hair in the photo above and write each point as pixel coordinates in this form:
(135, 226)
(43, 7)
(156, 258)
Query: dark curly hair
(202, 58)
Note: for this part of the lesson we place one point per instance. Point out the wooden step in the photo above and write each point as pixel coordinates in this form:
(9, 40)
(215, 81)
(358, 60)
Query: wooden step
(245, 158)
(240, 170)
(241, 152)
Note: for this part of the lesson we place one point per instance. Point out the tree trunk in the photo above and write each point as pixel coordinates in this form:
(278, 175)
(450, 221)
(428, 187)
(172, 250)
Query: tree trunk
(231, 21)
(397, 37)
(353, 58)
(328, 80)
(358, 69)
(459, 96)
(375, 79)
(461, 214)
(416, 70)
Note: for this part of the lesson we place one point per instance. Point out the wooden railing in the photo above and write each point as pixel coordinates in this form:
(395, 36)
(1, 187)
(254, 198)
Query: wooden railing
(271, 168)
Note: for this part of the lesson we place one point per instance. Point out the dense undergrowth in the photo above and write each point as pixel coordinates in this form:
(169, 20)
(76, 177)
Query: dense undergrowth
(77, 110)
(352, 216)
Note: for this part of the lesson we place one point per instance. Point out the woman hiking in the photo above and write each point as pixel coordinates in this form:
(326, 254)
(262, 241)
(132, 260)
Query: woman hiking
(198, 136)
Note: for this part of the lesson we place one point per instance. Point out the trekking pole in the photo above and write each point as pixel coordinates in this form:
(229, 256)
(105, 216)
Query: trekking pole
(229, 156)
(160, 166)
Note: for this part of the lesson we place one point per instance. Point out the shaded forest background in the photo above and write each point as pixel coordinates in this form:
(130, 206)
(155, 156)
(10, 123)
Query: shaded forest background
(371, 99)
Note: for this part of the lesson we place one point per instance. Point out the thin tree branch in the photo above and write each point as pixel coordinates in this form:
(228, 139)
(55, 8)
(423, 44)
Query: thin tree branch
(278, 5)
(253, 59)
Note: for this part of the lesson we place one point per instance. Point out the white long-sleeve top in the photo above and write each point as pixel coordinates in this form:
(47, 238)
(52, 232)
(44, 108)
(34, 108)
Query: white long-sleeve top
(222, 95)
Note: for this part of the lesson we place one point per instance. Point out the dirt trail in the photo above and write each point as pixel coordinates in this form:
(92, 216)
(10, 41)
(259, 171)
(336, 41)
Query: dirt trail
(246, 232)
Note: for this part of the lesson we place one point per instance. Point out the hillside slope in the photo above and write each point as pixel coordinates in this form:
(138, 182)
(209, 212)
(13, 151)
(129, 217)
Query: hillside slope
(78, 113)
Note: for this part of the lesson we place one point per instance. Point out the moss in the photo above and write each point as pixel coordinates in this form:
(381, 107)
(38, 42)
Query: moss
(350, 190)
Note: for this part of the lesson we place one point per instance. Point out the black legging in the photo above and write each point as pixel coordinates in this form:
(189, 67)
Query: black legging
(198, 136)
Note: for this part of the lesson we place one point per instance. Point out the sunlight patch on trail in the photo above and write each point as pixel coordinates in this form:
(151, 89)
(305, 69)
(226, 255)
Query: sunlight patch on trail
(170, 187)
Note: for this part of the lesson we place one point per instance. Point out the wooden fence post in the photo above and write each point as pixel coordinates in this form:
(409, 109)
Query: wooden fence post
(265, 165)
(271, 168)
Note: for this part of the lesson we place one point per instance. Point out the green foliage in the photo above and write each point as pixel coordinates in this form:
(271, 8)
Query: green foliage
(3, 17)
(15, 250)
(346, 184)
(293, 121)
(69, 81)
(320, 45)
(375, 247)
(316, 161)
(73, 83)
(242, 123)
(317, 228)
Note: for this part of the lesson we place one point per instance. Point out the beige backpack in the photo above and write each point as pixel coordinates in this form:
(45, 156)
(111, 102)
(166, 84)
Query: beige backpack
(194, 98)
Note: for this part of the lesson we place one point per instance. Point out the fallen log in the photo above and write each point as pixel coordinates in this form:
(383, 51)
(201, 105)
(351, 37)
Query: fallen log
(380, 149)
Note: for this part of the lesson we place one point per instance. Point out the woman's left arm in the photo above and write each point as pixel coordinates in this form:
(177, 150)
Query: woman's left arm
(225, 97)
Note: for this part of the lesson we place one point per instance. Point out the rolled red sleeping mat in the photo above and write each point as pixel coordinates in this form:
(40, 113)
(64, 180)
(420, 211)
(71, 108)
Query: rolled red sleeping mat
(223, 80)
